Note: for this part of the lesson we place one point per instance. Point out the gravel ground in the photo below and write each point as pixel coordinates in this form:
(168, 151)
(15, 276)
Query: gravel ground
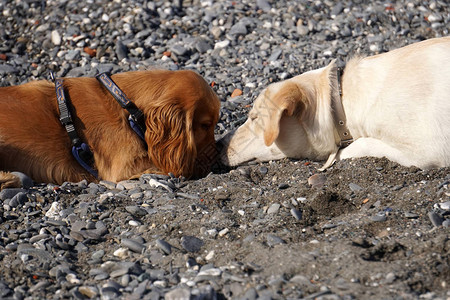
(365, 229)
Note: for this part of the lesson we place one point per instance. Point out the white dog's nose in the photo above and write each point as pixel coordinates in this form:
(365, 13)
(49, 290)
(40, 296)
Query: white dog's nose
(223, 146)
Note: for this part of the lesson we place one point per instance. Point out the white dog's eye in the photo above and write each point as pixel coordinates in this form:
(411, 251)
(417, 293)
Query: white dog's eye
(252, 115)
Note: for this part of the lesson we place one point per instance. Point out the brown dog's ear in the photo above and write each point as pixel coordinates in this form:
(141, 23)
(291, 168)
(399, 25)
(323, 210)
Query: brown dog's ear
(290, 100)
(170, 140)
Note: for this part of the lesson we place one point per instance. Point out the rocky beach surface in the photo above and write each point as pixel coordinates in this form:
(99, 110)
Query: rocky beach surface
(364, 229)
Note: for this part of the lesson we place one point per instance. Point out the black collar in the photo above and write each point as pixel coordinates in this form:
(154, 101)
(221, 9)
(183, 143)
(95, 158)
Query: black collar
(80, 150)
(340, 121)
(136, 118)
(343, 137)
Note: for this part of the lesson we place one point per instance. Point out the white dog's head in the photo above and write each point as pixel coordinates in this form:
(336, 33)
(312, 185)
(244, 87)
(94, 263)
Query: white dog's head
(288, 119)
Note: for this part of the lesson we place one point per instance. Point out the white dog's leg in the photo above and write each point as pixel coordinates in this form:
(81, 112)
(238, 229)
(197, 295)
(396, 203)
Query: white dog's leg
(375, 148)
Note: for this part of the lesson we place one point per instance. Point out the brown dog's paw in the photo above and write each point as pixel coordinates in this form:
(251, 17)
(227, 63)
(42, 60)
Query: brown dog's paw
(8, 180)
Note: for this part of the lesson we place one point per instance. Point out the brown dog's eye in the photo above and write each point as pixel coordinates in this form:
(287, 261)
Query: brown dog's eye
(206, 126)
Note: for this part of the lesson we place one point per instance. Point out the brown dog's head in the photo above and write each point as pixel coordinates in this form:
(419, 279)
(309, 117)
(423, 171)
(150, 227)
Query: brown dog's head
(181, 112)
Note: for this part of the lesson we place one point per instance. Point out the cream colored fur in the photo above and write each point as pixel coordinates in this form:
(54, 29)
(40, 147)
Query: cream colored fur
(397, 106)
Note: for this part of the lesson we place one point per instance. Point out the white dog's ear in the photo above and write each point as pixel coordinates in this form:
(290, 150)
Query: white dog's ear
(290, 100)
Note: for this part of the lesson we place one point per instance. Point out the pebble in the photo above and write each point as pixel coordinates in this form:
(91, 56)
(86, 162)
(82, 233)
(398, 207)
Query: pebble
(191, 243)
(88, 291)
(444, 205)
(446, 223)
(164, 246)
(380, 217)
(296, 213)
(354, 187)
(223, 232)
(136, 210)
(273, 209)
(178, 294)
(410, 215)
(236, 93)
(238, 29)
(133, 245)
(317, 180)
(6, 194)
(283, 186)
(264, 5)
(263, 170)
(435, 218)
(273, 240)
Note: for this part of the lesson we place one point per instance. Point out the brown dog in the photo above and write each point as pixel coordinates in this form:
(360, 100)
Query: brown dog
(180, 111)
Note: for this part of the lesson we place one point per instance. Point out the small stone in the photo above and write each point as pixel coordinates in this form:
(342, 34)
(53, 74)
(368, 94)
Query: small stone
(354, 187)
(136, 210)
(164, 246)
(191, 243)
(263, 170)
(411, 215)
(275, 55)
(39, 237)
(122, 253)
(88, 291)
(212, 272)
(121, 50)
(446, 223)
(236, 92)
(18, 200)
(264, 5)
(134, 223)
(337, 9)
(222, 44)
(56, 38)
(41, 285)
(178, 294)
(273, 209)
(380, 217)
(238, 29)
(97, 255)
(223, 232)
(133, 245)
(72, 278)
(390, 278)
(160, 283)
(178, 50)
(435, 218)
(216, 31)
(273, 240)
(91, 52)
(53, 212)
(317, 180)
(7, 69)
(296, 213)
(283, 186)
(202, 46)
(119, 272)
(129, 184)
(444, 205)
(6, 194)
(72, 55)
(210, 255)
(329, 226)
(108, 184)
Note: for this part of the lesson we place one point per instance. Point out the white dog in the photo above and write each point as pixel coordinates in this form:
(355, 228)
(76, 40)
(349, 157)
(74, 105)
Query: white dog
(394, 105)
